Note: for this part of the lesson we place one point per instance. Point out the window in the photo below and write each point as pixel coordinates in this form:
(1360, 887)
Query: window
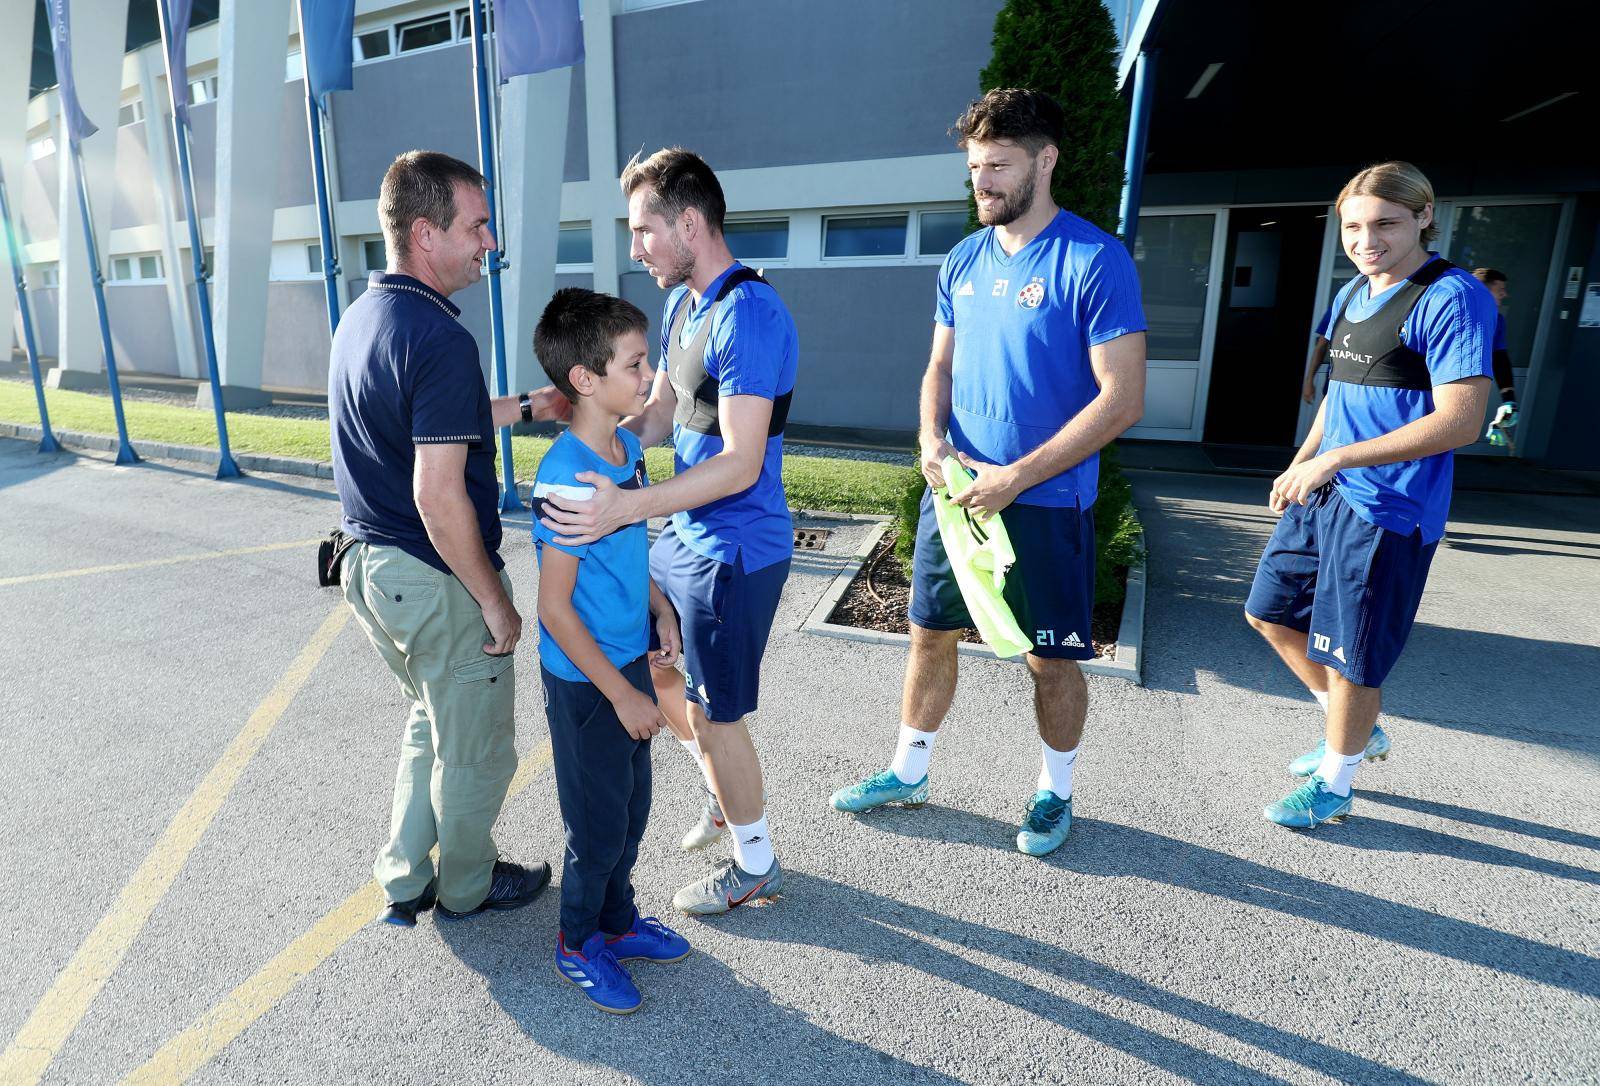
(132, 113)
(373, 45)
(314, 258)
(938, 231)
(464, 20)
(575, 245)
(47, 276)
(758, 239)
(139, 268)
(864, 235)
(1173, 255)
(424, 33)
(42, 148)
(374, 257)
(294, 67)
(202, 90)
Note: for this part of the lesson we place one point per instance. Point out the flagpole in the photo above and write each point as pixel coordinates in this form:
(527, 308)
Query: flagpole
(509, 502)
(178, 82)
(125, 453)
(319, 172)
(47, 438)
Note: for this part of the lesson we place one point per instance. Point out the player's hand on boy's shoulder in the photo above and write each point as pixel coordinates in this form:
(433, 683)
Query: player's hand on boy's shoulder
(579, 523)
(639, 715)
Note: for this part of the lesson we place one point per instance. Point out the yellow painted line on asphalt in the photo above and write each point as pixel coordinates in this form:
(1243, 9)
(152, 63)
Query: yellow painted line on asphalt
(178, 1059)
(64, 1005)
(123, 567)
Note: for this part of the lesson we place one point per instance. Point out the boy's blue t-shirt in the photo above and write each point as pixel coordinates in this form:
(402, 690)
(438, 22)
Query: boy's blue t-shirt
(1023, 328)
(753, 350)
(612, 590)
(1452, 327)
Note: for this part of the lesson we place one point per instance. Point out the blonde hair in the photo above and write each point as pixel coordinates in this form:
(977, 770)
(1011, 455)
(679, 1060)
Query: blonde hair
(1399, 183)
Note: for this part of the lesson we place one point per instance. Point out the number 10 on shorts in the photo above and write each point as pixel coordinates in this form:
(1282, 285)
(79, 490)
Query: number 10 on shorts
(1321, 642)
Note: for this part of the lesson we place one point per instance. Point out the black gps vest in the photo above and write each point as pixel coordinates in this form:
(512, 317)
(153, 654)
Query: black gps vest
(686, 367)
(1372, 352)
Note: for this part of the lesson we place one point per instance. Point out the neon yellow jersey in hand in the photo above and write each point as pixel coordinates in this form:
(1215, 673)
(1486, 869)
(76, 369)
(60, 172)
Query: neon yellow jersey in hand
(980, 555)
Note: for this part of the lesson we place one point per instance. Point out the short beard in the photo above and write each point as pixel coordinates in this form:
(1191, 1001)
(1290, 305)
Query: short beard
(1012, 205)
(681, 268)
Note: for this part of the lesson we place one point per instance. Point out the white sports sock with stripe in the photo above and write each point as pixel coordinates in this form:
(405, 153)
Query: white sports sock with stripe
(911, 754)
(1055, 772)
(1338, 770)
(752, 846)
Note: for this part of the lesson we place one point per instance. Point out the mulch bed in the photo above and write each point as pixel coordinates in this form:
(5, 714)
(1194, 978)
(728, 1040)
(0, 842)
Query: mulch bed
(877, 600)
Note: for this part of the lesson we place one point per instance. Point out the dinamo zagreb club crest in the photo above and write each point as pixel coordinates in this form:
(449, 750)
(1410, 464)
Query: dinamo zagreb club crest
(1031, 295)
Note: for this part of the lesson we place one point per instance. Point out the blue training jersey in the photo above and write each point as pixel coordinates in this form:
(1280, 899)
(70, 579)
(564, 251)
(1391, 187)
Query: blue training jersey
(1452, 327)
(1023, 328)
(753, 350)
(612, 591)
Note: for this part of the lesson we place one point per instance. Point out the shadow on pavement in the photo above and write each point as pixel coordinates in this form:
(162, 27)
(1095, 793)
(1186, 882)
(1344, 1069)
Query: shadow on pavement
(1107, 849)
(852, 921)
(701, 1021)
(1486, 819)
(22, 462)
(1203, 555)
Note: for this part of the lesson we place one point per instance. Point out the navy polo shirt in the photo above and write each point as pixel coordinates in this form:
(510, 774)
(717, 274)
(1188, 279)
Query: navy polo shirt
(403, 372)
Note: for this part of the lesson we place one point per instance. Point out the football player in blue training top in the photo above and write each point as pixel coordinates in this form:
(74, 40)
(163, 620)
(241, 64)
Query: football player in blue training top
(1363, 504)
(1038, 363)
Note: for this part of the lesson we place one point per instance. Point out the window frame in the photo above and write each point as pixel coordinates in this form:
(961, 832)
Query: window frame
(766, 217)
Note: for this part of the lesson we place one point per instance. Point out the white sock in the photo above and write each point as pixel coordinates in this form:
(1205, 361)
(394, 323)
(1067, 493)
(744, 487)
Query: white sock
(911, 754)
(752, 846)
(1338, 770)
(693, 748)
(1055, 772)
(1322, 698)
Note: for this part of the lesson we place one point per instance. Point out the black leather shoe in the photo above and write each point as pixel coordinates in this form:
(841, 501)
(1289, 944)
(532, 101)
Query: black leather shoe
(512, 887)
(404, 913)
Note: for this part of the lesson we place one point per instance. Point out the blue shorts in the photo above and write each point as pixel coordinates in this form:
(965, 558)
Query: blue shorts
(1050, 590)
(1352, 586)
(725, 615)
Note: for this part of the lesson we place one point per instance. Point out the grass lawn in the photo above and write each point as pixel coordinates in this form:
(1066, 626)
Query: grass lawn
(812, 482)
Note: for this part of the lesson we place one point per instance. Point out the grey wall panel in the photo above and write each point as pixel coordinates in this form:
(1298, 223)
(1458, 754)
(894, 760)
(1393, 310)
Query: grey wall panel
(797, 81)
(141, 328)
(46, 315)
(135, 202)
(296, 351)
(423, 100)
(203, 157)
(864, 335)
(295, 186)
(34, 200)
(577, 162)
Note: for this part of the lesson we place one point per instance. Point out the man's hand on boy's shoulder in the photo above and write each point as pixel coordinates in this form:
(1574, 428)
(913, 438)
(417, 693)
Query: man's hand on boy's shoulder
(578, 524)
(639, 714)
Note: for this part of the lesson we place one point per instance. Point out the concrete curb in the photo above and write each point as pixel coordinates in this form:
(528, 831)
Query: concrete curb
(1127, 662)
(162, 450)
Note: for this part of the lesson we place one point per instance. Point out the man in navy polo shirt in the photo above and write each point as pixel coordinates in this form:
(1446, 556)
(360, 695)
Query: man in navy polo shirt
(729, 356)
(1038, 363)
(1364, 503)
(413, 461)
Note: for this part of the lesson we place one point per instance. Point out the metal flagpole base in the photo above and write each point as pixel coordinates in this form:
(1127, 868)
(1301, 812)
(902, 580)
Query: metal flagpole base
(125, 453)
(227, 469)
(509, 502)
(48, 443)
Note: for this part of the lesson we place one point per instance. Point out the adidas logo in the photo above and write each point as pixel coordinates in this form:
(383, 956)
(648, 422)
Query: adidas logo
(920, 744)
(1072, 641)
(757, 839)
(966, 290)
(1338, 654)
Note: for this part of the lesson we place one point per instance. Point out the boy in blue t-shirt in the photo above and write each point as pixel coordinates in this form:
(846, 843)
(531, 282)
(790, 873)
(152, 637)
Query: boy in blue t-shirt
(1364, 503)
(595, 608)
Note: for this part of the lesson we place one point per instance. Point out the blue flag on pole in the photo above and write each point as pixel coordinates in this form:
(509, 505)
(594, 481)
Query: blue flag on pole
(328, 48)
(178, 13)
(79, 127)
(537, 35)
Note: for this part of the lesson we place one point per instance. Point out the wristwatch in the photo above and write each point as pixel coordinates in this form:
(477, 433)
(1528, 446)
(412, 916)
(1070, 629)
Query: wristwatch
(527, 407)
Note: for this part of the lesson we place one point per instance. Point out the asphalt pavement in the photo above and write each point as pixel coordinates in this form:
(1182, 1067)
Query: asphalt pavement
(199, 752)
